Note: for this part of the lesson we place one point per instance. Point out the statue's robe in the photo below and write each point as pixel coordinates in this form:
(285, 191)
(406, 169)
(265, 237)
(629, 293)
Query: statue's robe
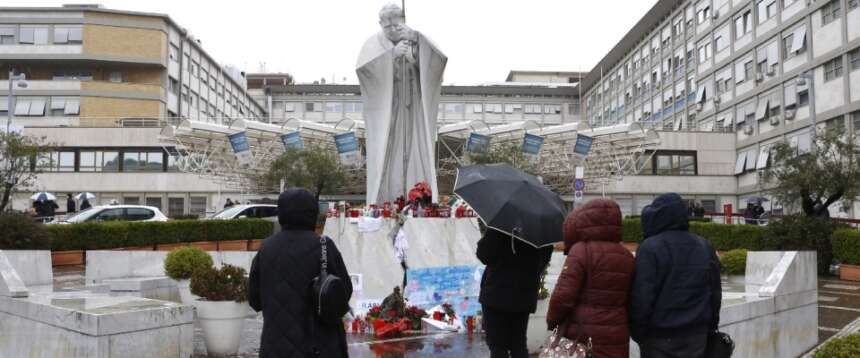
(401, 101)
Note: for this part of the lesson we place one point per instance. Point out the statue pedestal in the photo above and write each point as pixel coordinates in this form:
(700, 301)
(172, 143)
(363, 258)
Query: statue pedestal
(433, 242)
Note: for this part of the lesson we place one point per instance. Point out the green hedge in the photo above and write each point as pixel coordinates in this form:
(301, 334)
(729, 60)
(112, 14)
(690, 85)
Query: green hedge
(846, 246)
(111, 235)
(722, 236)
(845, 347)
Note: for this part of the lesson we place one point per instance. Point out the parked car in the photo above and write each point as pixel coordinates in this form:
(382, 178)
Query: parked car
(258, 211)
(115, 213)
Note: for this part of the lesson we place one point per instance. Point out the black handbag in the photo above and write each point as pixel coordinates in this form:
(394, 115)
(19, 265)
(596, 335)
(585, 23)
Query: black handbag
(720, 345)
(328, 292)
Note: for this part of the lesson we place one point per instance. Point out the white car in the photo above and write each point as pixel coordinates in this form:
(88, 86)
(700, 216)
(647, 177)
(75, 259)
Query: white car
(253, 211)
(115, 213)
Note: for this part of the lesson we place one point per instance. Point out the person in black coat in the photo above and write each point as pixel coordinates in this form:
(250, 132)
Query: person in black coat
(676, 295)
(280, 284)
(85, 204)
(509, 290)
(70, 204)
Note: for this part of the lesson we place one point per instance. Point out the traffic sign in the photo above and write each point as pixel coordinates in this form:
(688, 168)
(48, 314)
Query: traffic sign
(579, 184)
(577, 196)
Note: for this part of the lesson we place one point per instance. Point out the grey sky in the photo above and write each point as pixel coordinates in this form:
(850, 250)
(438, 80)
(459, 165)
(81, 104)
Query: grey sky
(483, 39)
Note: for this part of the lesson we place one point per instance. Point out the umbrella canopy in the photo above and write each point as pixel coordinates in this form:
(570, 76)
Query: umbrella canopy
(85, 196)
(513, 202)
(43, 196)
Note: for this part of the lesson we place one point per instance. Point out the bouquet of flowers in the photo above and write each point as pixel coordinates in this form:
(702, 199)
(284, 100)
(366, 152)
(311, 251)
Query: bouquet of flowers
(389, 323)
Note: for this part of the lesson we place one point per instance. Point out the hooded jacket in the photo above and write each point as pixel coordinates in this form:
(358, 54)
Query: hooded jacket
(281, 275)
(511, 280)
(591, 296)
(676, 289)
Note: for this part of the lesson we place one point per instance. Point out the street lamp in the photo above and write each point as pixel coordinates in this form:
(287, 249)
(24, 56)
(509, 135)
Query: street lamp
(802, 81)
(21, 80)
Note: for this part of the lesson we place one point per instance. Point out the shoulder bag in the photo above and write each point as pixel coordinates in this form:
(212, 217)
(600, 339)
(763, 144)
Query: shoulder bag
(328, 292)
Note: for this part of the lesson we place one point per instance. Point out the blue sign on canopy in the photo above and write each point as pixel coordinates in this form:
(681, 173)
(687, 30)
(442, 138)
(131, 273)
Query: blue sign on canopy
(239, 142)
(292, 140)
(346, 142)
(583, 144)
(532, 143)
(478, 143)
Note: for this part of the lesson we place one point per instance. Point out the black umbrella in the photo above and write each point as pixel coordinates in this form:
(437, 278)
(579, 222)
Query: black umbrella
(513, 202)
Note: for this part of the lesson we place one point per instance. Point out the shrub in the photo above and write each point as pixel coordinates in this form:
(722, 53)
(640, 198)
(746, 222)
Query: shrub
(227, 284)
(734, 262)
(845, 347)
(181, 263)
(631, 230)
(846, 246)
(20, 232)
(798, 232)
(116, 234)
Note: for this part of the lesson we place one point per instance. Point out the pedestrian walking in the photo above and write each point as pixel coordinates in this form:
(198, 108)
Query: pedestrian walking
(591, 296)
(749, 214)
(676, 294)
(85, 204)
(509, 290)
(280, 283)
(70, 203)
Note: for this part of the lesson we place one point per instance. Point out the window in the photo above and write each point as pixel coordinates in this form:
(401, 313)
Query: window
(766, 10)
(65, 106)
(197, 205)
(854, 58)
(720, 43)
(115, 76)
(173, 86)
(668, 163)
(833, 69)
(99, 161)
(30, 106)
(185, 97)
(63, 161)
(173, 53)
(193, 68)
(795, 42)
(115, 214)
(333, 107)
(312, 107)
(855, 120)
(143, 161)
(748, 69)
(703, 15)
(704, 52)
(353, 107)
(68, 35)
(153, 202)
(73, 75)
(34, 35)
(138, 214)
(743, 24)
(532, 109)
(831, 11)
(7, 35)
(175, 207)
(454, 108)
(552, 109)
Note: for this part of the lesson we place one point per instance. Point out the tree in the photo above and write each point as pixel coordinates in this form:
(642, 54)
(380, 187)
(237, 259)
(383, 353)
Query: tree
(315, 168)
(16, 153)
(508, 153)
(817, 178)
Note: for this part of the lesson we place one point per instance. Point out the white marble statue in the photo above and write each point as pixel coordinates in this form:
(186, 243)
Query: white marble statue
(400, 72)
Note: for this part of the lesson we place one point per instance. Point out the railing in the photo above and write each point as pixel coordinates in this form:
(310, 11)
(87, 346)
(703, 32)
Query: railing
(739, 219)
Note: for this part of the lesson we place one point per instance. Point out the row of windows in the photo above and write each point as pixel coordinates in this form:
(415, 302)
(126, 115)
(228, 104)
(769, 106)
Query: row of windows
(41, 34)
(668, 163)
(452, 108)
(26, 106)
(108, 160)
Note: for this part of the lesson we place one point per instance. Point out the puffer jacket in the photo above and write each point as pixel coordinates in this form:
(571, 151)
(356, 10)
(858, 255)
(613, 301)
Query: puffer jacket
(591, 296)
(281, 275)
(676, 290)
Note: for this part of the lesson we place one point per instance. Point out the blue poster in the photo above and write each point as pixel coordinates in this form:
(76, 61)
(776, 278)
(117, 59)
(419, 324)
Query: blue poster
(459, 286)
(293, 140)
(532, 144)
(478, 143)
(239, 142)
(583, 144)
(346, 142)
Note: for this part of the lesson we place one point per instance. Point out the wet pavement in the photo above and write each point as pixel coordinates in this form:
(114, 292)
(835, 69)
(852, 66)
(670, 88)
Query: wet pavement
(839, 305)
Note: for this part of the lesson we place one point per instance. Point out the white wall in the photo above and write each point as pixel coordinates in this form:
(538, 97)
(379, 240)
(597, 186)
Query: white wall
(828, 95)
(826, 38)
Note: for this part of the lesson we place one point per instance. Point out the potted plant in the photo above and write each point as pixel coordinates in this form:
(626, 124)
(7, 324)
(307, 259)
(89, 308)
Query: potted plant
(734, 265)
(222, 307)
(846, 249)
(180, 264)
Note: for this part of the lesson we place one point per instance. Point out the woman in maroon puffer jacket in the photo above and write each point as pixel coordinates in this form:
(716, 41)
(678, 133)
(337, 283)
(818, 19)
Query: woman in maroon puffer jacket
(590, 298)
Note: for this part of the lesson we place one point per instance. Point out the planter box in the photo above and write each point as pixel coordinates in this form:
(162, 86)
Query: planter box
(254, 245)
(170, 247)
(849, 272)
(205, 245)
(235, 245)
(66, 258)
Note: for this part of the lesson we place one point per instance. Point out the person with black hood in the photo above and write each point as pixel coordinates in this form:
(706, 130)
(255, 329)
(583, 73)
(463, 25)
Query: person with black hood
(676, 294)
(280, 284)
(509, 290)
